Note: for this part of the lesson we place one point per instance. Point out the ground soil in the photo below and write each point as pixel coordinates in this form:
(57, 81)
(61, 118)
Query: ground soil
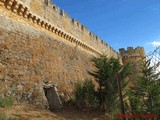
(32, 112)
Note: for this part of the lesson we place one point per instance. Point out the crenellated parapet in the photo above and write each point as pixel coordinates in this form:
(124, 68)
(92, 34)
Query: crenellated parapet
(48, 16)
(64, 14)
(132, 52)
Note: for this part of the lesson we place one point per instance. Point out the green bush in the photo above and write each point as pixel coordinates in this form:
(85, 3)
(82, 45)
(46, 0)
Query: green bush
(85, 95)
(6, 102)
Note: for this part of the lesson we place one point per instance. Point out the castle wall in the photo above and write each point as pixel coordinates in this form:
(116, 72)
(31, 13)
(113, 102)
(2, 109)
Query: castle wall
(46, 13)
(38, 43)
(29, 56)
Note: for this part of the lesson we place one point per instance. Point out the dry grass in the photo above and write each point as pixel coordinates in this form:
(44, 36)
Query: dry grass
(32, 112)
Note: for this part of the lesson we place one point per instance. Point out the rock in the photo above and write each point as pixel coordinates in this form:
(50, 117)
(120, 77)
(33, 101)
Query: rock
(53, 98)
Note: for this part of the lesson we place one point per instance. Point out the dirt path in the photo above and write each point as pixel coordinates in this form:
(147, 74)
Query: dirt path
(32, 112)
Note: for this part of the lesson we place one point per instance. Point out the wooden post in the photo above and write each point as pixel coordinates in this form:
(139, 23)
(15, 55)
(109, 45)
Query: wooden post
(120, 96)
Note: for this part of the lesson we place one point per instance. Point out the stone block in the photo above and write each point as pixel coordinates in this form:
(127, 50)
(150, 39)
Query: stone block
(53, 98)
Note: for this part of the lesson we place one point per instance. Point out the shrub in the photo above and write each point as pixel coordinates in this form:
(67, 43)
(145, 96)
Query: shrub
(85, 95)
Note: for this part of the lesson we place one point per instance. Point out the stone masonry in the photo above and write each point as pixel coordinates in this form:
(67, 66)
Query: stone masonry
(136, 56)
(40, 43)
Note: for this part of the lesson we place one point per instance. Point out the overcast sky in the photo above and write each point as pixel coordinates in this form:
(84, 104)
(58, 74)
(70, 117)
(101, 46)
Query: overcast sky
(120, 23)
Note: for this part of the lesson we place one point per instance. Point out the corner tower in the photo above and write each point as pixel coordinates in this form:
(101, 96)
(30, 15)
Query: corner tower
(136, 56)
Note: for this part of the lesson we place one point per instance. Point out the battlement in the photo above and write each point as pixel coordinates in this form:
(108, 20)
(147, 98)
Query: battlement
(132, 52)
(47, 15)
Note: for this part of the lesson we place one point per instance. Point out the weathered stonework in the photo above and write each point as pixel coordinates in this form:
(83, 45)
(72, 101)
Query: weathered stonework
(38, 43)
(136, 56)
(48, 16)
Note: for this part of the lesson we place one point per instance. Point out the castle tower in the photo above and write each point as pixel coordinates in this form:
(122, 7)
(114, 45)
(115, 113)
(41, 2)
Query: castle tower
(136, 56)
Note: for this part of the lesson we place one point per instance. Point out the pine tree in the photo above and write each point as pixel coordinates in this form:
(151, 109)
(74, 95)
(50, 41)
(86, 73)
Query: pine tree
(144, 97)
(106, 75)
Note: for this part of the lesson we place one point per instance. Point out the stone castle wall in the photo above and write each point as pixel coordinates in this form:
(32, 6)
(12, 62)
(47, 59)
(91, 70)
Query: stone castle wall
(37, 44)
(61, 19)
(46, 14)
(30, 56)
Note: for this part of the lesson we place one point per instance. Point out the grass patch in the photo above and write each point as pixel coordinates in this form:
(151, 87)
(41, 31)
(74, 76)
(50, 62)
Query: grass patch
(6, 102)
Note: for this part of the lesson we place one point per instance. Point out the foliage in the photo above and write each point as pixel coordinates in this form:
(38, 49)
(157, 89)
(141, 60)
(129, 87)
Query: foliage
(144, 97)
(106, 76)
(6, 102)
(85, 95)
